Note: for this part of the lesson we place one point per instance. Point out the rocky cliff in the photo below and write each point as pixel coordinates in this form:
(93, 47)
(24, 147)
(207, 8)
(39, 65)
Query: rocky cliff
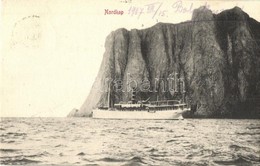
(218, 55)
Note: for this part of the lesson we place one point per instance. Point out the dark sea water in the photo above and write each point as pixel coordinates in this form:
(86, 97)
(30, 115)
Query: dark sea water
(83, 141)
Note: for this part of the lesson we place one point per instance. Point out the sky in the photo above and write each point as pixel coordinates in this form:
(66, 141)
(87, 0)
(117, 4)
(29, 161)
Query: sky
(52, 49)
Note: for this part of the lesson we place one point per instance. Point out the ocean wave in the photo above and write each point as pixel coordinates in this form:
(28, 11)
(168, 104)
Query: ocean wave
(155, 128)
(7, 141)
(171, 140)
(253, 127)
(237, 161)
(246, 153)
(81, 154)
(178, 136)
(135, 161)
(248, 133)
(241, 148)
(190, 163)
(21, 161)
(9, 150)
(16, 134)
(126, 162)
(111, 159)
(17, 154)
(250, 157)
(153, 150)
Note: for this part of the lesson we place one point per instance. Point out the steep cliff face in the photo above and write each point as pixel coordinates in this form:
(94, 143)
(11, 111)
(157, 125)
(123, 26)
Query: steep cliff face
(218, 57)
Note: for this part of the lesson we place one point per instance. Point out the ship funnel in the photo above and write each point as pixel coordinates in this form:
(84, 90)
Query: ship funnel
(133, 98)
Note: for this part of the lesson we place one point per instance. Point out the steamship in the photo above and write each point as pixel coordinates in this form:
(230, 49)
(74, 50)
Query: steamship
(157, 110)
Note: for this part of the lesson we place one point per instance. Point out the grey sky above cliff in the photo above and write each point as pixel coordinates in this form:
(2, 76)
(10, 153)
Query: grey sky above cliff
(52, 50)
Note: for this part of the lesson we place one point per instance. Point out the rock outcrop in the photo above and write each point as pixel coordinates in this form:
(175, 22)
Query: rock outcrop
(218, 55)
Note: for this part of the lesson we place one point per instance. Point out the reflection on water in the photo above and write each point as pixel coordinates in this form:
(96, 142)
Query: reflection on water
(83, 141)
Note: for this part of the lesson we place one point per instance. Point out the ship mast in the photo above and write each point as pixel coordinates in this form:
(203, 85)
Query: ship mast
(108, 97)
(175, 83)
(109, 103)
(179, 87)
(183, 89)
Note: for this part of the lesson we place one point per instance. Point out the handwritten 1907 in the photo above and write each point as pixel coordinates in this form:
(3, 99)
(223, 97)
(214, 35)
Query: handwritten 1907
(158, 9)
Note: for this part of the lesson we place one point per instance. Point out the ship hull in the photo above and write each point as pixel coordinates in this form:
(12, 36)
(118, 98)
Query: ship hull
(144, 114)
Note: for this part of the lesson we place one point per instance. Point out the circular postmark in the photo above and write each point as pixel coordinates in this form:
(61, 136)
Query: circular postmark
(27, 32)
